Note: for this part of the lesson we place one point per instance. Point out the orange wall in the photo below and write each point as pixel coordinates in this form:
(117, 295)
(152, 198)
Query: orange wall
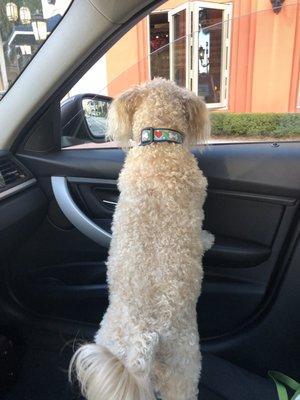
(264, 62)
(127, 60)
(168, 5)
(264, 68)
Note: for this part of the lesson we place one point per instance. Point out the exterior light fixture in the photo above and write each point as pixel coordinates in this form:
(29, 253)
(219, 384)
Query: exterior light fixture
(25, 15)
(39, 27)
(277, 5)
(12, 12)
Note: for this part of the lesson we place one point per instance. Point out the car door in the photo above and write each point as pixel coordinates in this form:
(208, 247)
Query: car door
(57, 275)
(251, 211)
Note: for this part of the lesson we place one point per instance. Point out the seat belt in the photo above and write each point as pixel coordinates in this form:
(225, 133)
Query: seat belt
(282, 382)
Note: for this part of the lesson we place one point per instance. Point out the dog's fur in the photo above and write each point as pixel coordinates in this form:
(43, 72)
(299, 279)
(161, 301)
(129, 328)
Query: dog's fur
(148, 340)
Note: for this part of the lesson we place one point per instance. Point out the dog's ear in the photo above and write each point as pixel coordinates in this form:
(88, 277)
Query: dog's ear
(197, 115)
(120, 116)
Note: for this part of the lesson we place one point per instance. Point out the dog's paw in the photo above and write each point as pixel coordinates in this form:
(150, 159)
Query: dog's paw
(208, 240)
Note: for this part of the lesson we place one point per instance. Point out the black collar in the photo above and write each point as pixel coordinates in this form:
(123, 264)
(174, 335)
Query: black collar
(158, 135)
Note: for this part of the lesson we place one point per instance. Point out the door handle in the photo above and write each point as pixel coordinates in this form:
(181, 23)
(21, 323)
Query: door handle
(84, 224)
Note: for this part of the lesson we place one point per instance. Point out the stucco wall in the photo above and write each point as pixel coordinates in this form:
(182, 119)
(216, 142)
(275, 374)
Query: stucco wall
(264, 67)
(264, 57)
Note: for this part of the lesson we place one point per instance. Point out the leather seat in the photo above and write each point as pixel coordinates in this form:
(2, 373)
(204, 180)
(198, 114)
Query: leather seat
(221, 380)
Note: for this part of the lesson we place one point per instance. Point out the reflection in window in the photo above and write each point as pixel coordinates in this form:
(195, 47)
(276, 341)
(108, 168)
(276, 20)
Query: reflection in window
(209, 54)
(24, 27)
(179, 46)
(159, 45)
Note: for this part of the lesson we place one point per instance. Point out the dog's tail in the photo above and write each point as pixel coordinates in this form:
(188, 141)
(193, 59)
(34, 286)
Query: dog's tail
(103, 376)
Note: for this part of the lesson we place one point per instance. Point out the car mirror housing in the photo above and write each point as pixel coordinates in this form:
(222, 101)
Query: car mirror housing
(84, 119)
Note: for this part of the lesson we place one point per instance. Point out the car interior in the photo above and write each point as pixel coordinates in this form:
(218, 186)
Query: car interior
(56, 208)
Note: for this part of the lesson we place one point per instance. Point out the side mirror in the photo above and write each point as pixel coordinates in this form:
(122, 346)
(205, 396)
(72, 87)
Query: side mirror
(83, 119)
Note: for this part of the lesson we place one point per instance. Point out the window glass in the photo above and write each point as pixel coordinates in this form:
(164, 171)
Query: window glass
(179, 48)
(159, 45)
(24, 26)
(209, 47)
(241, 57)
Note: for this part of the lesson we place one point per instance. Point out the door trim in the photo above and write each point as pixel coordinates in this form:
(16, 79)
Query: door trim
(84, 224)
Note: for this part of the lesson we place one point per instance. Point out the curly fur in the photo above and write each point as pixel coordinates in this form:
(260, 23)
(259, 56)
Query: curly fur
(148, 339)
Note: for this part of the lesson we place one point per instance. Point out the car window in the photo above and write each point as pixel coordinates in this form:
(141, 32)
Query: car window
(243, 61)
(24, 27)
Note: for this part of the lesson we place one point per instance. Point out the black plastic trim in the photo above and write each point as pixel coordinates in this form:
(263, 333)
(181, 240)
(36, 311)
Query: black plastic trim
(248, 168)
(235, 253)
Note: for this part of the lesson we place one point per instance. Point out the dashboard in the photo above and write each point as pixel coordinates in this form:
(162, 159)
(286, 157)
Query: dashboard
(23, 205)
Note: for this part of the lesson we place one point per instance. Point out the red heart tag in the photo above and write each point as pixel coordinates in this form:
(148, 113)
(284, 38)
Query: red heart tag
(158, 134)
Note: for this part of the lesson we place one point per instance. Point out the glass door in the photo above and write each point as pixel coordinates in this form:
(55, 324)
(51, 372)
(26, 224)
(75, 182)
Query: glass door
(211, 40)
(199, 49)
(180, 44)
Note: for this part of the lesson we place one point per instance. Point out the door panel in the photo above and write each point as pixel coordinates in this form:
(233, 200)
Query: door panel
(73, 291)
(252, 198)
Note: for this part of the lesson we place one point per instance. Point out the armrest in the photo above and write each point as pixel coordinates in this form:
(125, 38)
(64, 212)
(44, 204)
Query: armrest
(235, 253)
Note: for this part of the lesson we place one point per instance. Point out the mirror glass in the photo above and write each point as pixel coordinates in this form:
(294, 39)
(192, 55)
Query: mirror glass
(95, 112)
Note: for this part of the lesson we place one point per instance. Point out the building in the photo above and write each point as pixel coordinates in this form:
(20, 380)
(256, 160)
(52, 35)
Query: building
(241, 56)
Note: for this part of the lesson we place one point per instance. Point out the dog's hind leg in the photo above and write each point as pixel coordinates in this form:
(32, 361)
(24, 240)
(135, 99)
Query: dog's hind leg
(142, 351)
(179, 376)
(182, 382)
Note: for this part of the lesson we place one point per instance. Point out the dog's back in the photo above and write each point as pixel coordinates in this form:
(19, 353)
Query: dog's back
(148, 340)
(157, 225)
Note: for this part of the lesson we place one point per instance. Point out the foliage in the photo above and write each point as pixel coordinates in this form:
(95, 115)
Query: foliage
(255, 124)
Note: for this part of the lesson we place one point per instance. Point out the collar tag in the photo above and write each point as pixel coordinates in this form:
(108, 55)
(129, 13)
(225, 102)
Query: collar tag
(157, 135)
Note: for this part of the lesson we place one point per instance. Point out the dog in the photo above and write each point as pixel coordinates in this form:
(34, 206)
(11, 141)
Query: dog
(147, 346)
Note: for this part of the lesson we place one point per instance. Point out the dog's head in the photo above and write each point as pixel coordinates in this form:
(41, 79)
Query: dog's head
(158, 104)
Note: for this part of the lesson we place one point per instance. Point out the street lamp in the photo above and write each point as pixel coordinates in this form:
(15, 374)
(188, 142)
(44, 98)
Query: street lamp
(39, 27)
(12, 12)
(25, 15)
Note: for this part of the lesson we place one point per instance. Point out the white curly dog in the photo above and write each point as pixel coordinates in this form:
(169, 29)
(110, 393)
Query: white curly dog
(148, 342)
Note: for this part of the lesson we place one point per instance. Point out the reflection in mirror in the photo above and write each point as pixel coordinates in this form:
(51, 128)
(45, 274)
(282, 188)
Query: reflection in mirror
(95, 112)
(83, 119)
